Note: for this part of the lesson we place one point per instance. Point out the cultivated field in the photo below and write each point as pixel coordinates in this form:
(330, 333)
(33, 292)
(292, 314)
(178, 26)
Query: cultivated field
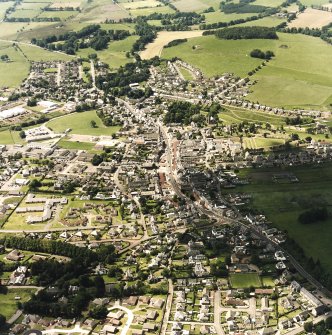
(190, 5)
(312, 18)
(164, 37)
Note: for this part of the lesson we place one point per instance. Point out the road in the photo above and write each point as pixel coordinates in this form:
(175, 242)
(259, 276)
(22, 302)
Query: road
(168, 307)
(216, 215)
(130, 319)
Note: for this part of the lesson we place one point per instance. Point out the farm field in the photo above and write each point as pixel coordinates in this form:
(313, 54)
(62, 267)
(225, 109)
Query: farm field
(80, 124)
(300, 67)
(270, 21)
(259, 142)
(312, 18)
(244, 280)
(190, 5)
(283, 202)
(218, 16)
(164, 37)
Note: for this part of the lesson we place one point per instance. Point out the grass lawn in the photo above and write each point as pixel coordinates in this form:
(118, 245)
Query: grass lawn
(244, 280)
(283, 202)
(300, 67)
(10, 137)
(8, 302)
(76, 145)
(80, 124)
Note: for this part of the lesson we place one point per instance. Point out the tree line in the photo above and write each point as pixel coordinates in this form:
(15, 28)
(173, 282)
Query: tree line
(254, 32)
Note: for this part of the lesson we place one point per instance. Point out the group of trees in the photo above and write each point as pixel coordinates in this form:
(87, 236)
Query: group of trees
(90, 36)
(321, 328)
(257, 53)
(182, 112)
(236, 33)
(243, 6)
(146, 33)
(314, 215)
(176, 42)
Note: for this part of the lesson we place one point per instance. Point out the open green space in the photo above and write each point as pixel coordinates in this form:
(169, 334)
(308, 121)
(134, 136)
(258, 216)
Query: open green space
(115, 54)
(218, 16)
(17, 69)
(10, 137)
(80, 124)
(244, 280)
(299, 75)
(76, 145)
(8, 305)
(283, 202)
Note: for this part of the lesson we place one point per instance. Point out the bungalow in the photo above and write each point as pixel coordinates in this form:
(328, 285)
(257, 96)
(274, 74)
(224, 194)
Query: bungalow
(157, 303)
(151, 315)
(149, 327)
(108, 329)
(118, 315)
(131, 301)
(15, 256)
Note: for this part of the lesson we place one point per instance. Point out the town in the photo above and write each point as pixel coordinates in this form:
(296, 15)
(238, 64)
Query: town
(138, 221)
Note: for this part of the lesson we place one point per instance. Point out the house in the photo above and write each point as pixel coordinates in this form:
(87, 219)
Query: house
(157, 303)
(15, 256)
(149, 327)
(118, 315)
(144, 299)
(108, 329)
(100, 301)
(131, 301)
(151, 315)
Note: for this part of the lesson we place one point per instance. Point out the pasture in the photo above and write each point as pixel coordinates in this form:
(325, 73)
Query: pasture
(164, 37)
(190, 5)
(218, 16)
(301, 66)
(283, 202)
(80, 124)
(312, 18)
(244, 280)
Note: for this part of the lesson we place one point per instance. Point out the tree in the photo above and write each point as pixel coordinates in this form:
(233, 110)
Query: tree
(22, 134)
(308, 327)
(35, 183)
(93, 124)
(2, 321)
(328, 322)
(99, 312)
(100, 286)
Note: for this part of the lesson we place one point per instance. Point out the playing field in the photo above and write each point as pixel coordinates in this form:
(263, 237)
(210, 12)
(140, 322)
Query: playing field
(244, 280)
(299, 75)
(80, 124)
(164, 37)
(312, 18)
(283, 202)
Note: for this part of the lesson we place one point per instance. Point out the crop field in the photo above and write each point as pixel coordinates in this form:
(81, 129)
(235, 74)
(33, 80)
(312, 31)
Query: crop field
(151, 10)
(164, 37)
(312, 18)
(283, 202)
(141, 4)
(80, 124)
(270, 21)
(63, 15)
(301, 66)
(190, 5)
(3, 7)
(245, 280)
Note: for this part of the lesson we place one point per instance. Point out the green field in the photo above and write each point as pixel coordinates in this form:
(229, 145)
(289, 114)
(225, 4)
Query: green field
(76, 145)
(8, 302)
(80, 124)
(10, 137)
(218, 16)
(244, 280)
(283, 202)
(300, 67)
(15, 71)
(115, 54)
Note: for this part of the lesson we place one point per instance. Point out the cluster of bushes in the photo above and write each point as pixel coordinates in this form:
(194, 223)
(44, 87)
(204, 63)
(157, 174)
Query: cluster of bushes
(257, 53)
(176, 42)
(237, 33)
